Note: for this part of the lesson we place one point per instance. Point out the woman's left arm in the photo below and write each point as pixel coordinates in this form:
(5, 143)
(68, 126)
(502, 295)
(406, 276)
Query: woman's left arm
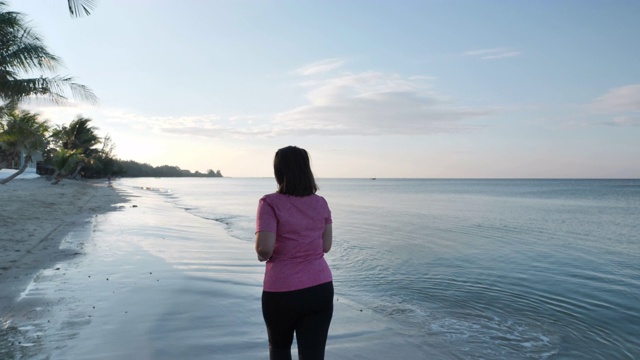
(265, 243)
(327, 238)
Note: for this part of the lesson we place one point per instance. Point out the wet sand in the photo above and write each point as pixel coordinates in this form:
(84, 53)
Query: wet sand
(149, 281)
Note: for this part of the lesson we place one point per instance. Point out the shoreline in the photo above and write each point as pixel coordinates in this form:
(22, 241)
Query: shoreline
(36, 218)
(149, 281)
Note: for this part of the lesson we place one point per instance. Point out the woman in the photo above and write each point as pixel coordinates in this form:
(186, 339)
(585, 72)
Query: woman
(293, 232)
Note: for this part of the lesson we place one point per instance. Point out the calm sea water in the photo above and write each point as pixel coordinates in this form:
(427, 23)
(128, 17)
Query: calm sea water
(492, 269)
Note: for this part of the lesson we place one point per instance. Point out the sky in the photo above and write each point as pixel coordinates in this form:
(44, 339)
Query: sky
(396, 89)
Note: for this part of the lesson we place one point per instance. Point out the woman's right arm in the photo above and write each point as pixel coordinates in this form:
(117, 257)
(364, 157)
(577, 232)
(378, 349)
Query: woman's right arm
(327, 238)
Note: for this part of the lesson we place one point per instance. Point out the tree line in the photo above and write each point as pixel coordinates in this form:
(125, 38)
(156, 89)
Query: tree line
(28, 70)
(136, 169)
(74, 150)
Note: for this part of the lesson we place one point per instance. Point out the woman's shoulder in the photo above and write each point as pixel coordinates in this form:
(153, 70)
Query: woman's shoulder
(284, 197)
(275, 198)
(319, 197)
(268, 197)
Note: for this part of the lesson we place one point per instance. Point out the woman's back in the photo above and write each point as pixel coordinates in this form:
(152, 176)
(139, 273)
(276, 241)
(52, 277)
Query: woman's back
(298, 257)
(293, 232)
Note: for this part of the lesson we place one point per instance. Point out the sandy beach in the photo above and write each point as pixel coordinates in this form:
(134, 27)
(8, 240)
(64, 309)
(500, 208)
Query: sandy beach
(35, 218)
(34, 211)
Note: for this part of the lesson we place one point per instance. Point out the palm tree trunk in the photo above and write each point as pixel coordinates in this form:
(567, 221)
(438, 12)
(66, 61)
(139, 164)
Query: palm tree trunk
(77, 171)
(55, 177)
(24, 167)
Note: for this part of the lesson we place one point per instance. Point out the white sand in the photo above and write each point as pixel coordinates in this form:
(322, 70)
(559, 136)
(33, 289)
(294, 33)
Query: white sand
(34, 218)
(33, 209)
(28, 174)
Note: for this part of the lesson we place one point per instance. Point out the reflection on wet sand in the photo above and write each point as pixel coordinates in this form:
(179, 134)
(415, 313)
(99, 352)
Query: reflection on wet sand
(155, 282)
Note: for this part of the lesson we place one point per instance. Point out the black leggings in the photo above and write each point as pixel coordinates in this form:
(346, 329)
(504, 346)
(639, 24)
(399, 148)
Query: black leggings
(307, 311)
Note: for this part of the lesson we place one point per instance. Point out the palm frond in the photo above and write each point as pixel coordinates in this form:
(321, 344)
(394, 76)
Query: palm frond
(65, 160)
(20, 47)
(24, 131)
(82, 92)
(79, 8)
(57, 89)
(27, 55)
(9, 22)
(23, 53)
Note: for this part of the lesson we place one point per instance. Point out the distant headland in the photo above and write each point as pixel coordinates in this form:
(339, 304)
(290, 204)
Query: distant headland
(130, 168)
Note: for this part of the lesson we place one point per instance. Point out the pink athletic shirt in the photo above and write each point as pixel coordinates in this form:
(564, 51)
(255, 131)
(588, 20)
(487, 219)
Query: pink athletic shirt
(298, 222)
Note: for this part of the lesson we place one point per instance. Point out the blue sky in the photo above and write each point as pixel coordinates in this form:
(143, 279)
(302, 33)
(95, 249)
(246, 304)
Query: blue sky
(533, 89)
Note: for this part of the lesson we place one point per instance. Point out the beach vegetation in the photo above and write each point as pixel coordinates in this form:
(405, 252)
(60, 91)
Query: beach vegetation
(28, 69)
(93, 156)
(132, 168)
(64, 161)
(71, 151)
(104, 161)
(23, 133)
(79, 136)
(76, 145)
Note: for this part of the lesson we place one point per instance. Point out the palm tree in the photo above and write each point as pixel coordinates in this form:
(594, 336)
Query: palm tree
(9, 151)
(104, 162)
(79, 135)
(3, 152)
(24, 61)
(64, 161)
(23, 133)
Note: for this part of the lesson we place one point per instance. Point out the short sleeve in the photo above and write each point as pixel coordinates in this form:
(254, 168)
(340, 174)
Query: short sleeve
(266, 219)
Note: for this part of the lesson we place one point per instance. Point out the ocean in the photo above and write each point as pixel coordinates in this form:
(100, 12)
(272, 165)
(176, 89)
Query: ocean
(480, 269)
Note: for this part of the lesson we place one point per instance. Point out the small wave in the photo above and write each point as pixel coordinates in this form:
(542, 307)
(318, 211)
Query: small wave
(237, 226)
(154, 189)
(510, 339)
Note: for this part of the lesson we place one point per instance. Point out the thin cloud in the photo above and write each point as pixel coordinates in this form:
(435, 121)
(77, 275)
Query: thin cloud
(216, 131)
(494, 53)
(216, 127)
(617, 100)
(320, 67)
(209, 126)
(619, 106)
(621, 103)
(625, 121)
(376, 104)
(361, 104)
(502, 55)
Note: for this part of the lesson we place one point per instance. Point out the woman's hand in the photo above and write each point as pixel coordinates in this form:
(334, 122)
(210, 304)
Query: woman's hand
(327, 238)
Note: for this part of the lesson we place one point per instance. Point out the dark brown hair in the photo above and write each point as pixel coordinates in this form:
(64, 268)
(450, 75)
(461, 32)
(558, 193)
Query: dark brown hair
(292, 169)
